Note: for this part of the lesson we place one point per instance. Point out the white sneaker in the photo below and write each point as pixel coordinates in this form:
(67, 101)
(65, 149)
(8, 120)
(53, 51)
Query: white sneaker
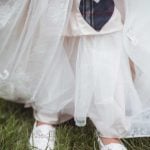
(111, 146)
(42, 137)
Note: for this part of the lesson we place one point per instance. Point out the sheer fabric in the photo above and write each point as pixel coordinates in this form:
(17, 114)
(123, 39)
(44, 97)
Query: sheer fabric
(40, 68)
(31, 50)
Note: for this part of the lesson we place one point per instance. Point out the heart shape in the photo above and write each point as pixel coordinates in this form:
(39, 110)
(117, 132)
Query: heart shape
(97, 13)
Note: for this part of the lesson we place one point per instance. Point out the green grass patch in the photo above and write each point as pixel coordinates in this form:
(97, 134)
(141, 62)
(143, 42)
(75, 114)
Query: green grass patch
(16, 124)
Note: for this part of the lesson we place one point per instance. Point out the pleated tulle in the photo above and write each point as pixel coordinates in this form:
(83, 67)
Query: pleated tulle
(105, 89)
(45, 70)
(31, 50)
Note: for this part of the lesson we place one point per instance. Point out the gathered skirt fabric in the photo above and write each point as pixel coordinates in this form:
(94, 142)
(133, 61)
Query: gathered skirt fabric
(105, 87)
(82, 76)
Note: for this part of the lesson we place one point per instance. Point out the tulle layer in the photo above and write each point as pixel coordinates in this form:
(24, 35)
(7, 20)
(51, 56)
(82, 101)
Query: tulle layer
(106, 89)
(31, 50)
(44, 70)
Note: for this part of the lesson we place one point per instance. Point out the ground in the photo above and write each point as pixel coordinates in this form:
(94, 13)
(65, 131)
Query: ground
(16, 124)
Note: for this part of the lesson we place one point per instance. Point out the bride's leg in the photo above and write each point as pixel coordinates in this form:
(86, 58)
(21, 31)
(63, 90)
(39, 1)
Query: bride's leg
(109, 118)
(117, 140)
(110, 140)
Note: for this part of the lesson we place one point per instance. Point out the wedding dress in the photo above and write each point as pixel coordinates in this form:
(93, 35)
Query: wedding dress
(56, 66)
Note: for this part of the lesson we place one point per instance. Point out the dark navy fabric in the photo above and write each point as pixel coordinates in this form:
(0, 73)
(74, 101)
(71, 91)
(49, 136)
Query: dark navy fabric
(97, 14)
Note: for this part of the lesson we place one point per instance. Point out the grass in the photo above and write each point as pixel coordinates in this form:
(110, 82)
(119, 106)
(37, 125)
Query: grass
(16, 125)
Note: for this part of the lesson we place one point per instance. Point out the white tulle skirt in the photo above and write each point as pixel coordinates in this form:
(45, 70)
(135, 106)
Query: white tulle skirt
(108, 89)
(86, 76)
